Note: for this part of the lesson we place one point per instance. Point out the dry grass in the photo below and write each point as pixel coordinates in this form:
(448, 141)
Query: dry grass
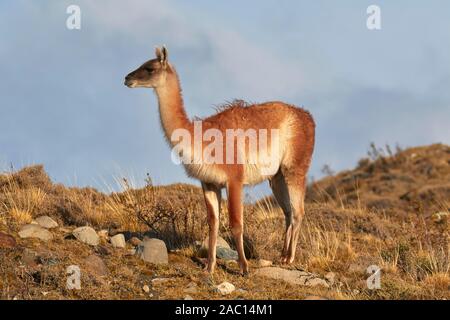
(391, 211)
(322, 246)
(18, 205)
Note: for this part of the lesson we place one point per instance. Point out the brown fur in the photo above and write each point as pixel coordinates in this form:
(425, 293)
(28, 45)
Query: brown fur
(297, 129)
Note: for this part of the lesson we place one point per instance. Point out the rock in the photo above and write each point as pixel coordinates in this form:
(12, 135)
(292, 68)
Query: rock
(264, 263)
(159, 281)
(135, 241)
(35, 231)
(86, 235)
(118, 241)
(314, 282)
(191, 288)
(188, 297)
(315, 298)
(103, 234)
(226, 254)
(221, 243)
(96, 265)
(146, 288)
(154, 251)
(225, 288)
(7, 241)
(292, 276)
(46, 222)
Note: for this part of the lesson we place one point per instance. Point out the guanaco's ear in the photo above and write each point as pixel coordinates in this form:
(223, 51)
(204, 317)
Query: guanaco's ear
(164, 56)
(158, 53)
(165, 53)
(161, 55)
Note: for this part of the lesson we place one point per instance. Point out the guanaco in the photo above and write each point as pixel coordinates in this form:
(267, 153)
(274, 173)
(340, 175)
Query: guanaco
(296, 135)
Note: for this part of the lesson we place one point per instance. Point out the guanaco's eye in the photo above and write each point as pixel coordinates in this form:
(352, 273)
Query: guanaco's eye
(149, 70)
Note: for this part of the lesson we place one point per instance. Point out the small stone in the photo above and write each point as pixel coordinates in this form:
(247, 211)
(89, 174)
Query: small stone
(314, 282)
(154, 251)
(86, 235)
(7, 241)
(188, 297)
(191, 288)
(146, 288)
(203, 251)
(295, 277)
(159, 281)
(118, 241)
(264, 263)
(226, 254)
(225, 288)
(35, 231)
(134, 241)
(46, 222)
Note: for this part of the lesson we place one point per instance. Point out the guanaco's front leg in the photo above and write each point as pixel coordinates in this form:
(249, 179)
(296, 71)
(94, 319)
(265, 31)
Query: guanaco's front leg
(212, 195)
(236, 210)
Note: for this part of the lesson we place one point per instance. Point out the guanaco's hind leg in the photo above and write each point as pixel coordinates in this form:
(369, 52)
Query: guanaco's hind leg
(235, 210)
(281, 193)
(212, 195)
(290, 193)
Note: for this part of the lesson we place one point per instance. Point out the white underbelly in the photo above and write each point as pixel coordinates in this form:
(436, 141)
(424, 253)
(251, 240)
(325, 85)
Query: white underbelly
(207, 173)
(254, 175)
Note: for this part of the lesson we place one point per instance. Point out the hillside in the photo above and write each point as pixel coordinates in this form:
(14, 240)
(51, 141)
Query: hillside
(417, 179)
(390, 211)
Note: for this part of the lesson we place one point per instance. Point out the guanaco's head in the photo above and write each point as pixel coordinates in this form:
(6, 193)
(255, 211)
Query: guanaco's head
(151, 74)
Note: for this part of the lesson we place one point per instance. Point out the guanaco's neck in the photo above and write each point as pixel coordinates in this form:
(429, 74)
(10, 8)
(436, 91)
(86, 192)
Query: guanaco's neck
(171, 107)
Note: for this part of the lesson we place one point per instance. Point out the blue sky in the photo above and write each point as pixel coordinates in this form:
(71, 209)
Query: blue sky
(63, 102)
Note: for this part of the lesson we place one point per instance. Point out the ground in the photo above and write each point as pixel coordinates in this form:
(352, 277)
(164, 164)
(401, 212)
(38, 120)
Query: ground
(391, 211)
